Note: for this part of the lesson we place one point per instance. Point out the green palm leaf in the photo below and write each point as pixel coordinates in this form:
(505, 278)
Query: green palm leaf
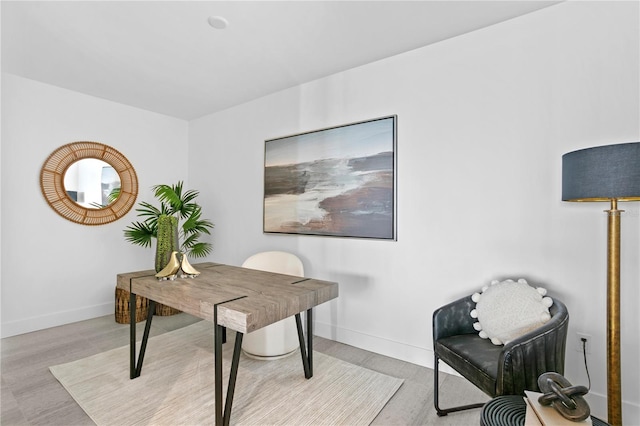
(201, 249)
(149, 211)
(140, 234)
(169, 195)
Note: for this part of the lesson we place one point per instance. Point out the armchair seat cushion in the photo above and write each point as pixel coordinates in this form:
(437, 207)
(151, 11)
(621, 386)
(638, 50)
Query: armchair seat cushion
(473, 357)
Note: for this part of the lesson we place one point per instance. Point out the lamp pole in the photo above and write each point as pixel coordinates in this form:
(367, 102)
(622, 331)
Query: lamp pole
(614, 391)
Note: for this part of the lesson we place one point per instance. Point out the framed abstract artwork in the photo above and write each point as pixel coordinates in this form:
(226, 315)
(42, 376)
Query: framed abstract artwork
(339, 181)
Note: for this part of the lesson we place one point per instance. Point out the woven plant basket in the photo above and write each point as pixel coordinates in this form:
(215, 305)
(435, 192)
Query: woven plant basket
(165, 311)
(122, 307)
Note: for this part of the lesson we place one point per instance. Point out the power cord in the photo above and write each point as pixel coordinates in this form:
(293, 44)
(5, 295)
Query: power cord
(584, 353)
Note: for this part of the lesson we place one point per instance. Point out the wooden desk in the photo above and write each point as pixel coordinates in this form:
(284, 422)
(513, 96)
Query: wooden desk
(232, 297)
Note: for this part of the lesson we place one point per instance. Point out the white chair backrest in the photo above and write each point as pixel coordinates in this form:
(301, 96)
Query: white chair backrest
(276, 261)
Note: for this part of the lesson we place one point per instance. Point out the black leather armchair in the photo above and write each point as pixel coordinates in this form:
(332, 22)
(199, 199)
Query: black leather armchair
(497, 370)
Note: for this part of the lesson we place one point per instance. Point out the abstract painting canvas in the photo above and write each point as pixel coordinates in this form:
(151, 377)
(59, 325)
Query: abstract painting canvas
(339, 181)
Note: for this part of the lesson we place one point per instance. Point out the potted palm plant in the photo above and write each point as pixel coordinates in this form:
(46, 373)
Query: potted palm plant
(184, 215)
(176, 202)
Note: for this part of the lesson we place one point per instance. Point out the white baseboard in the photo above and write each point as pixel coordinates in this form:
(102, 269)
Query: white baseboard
(630, 413)
(398, 350)
(424, 357)
(27, 325)
(598, 405)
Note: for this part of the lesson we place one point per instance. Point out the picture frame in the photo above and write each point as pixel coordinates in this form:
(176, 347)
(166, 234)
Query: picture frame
(338, 181)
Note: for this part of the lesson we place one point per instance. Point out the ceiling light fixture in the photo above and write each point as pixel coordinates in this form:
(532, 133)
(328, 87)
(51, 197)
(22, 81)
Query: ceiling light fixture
(218, 22)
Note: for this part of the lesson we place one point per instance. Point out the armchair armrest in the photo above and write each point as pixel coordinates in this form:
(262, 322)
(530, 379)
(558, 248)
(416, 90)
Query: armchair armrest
(524, 359)
(453, 319)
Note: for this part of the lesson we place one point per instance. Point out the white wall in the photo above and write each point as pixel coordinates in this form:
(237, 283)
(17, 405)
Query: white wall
(55, 271)
(483, 120)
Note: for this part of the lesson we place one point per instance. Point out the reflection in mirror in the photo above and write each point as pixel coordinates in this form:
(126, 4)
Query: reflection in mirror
(92, 183)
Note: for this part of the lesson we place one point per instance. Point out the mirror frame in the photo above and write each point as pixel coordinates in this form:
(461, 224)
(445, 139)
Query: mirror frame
(52, 183)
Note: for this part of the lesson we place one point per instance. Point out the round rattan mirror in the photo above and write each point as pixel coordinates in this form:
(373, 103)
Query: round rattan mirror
(121, 191)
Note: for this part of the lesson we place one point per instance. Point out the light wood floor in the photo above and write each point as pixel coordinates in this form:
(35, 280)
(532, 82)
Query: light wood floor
(32, 396)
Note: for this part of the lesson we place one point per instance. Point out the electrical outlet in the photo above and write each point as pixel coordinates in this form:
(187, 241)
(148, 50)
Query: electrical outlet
(579, 342)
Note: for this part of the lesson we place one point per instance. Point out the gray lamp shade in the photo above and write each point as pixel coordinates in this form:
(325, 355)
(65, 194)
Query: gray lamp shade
(602, 173)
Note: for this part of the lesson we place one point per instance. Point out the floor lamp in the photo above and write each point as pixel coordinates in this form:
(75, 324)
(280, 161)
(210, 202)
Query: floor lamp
(608, 173)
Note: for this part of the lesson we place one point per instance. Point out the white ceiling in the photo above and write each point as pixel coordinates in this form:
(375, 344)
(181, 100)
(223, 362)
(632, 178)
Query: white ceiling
(163, 56)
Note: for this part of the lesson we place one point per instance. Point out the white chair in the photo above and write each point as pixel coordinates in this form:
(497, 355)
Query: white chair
(281, 338)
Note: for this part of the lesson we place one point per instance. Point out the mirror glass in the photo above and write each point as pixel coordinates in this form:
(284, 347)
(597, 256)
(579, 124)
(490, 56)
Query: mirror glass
(92, 183)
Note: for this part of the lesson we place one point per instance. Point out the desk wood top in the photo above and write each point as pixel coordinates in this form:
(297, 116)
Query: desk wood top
(246, 299)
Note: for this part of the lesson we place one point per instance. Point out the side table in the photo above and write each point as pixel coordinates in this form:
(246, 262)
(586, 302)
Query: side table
(510, 410)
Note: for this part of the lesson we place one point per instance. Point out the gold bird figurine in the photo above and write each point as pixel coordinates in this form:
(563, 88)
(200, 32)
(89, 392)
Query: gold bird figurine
(187, 269)
(170, 271)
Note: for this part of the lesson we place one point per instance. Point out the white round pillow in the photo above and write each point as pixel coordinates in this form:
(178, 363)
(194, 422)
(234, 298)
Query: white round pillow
(508, 309)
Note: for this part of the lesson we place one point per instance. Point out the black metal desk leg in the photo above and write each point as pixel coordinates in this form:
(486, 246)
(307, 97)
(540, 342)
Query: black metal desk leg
(310, 341)
(306, 351)
(237, 349)
(223, 415)
(217, 358)
(136, 368)
(132, 335)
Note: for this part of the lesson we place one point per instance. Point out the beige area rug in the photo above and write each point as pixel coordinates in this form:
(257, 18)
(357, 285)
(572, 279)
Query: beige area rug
(176, 386)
